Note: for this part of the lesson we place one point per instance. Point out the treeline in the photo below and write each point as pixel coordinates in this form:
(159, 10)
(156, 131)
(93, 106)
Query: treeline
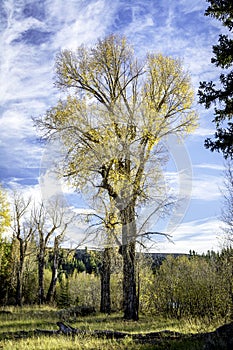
(176, 286)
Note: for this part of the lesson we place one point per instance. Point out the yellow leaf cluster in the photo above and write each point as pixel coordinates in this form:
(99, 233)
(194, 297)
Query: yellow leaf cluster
(4, 211)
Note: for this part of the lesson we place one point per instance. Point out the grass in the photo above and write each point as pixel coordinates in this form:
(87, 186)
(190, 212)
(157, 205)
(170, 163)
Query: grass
(29, 319)
(77, 343)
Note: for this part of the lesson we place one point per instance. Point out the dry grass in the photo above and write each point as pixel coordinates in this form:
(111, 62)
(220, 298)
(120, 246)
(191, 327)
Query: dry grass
(29, 319)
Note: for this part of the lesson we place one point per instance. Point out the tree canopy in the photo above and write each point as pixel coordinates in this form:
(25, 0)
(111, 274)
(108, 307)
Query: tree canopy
(220, 95)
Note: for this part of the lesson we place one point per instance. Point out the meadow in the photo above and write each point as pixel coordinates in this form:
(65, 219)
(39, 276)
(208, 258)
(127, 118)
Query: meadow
(23, 328)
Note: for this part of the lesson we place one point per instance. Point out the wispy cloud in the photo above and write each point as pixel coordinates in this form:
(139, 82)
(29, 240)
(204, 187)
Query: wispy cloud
(208, 166)
(206, 188)
(203, 132)
(29, 40)
(32, 32)
(198, 235)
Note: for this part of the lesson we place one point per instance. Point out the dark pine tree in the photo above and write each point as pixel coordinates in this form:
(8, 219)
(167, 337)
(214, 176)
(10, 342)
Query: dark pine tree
(221, 95)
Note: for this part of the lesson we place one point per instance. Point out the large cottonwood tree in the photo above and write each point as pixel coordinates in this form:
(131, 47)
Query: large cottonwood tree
(111, 122)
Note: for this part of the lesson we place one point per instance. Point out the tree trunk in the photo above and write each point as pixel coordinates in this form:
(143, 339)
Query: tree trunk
(53, 282)
(19, 285)
(105, 305)
(19, 289)
(41, 264)
(130, 299)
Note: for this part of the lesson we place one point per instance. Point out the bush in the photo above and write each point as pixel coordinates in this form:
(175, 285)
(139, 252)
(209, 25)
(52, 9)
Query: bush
(190, 286)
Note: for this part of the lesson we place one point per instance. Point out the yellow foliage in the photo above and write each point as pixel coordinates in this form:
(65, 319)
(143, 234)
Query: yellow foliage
(4, 211)
(115, 116)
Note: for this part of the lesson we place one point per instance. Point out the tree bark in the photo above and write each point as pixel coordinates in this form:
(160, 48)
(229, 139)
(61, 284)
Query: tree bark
(130, 298)
(41, 265)
(53, 282)
(19, 285)
(19, 289)
(105, 275)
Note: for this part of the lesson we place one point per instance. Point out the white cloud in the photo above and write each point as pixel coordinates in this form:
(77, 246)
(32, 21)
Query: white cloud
(198, 235)
(208, 166)
(203, 132)
(82, 22)
(190, 6)
(206, 188)
(15, 124)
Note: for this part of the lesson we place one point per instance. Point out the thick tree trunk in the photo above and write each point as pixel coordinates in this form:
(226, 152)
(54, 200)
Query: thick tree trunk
(130, 298)
(53, 282)
(105, 305)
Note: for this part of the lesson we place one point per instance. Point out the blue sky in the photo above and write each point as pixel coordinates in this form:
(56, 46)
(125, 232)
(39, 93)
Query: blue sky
(32, 32)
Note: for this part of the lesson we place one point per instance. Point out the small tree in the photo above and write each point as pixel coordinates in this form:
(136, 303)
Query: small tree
(111, 126)
(51, 224)
(23, 233)
(5, 220)
(5, 217)
(6, 269)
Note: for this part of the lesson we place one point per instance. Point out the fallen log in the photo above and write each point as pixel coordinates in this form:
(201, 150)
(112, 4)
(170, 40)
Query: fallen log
(66, 329)
(108, 334)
